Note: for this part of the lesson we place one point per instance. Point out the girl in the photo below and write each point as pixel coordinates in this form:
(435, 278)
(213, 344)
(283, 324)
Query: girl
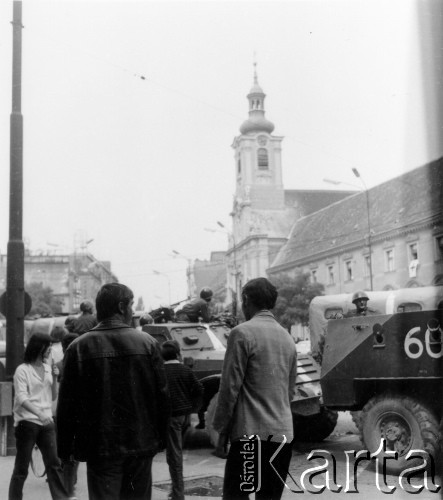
(35, 387)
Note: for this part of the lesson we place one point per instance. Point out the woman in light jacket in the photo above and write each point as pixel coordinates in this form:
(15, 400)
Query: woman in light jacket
(35, 387)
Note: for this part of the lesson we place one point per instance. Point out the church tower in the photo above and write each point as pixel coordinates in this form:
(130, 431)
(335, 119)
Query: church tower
(258, 169)
(260, 218)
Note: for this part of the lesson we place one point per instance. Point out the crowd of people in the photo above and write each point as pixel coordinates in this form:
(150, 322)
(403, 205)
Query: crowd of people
(123, 398)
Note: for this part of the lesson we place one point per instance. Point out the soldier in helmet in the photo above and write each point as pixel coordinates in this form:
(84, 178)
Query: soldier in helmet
(86, 321)
(360, 300)
(196, 308)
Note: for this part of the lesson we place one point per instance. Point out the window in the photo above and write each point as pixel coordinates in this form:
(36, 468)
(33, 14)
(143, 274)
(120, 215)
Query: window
(314, 276)
(389, 260)
(334, 313)
(263, 161)
(349, 275)
(413, 251)
(331, 277)
(409, 307)
(413, 259)
(239, 166)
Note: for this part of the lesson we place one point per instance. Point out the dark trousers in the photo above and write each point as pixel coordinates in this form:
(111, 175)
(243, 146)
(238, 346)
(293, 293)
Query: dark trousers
(27, 435)
(124, 478)
(174, 455)
(245, 472)
(70, 468)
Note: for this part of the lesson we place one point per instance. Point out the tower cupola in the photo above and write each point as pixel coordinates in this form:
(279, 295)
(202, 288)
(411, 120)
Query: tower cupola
(256, 121)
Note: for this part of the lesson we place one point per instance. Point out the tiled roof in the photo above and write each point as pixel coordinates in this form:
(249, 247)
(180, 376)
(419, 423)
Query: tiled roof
(398, 204)
(313, 200)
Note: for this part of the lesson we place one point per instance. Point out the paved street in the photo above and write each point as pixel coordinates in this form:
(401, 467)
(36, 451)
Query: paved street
(200, 463)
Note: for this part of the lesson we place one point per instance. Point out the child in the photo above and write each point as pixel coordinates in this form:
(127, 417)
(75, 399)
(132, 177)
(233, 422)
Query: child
(185, 391)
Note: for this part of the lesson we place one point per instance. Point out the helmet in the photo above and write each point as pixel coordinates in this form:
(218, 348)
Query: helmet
(206, 293)
(86, 306)
(359, 295)
(146, 319)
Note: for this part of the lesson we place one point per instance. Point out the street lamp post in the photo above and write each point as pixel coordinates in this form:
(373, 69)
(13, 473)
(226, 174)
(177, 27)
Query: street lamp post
(15, 293)
(169, 283)
(234, 253)
(188, 271)
(368, 211)
(357, 174)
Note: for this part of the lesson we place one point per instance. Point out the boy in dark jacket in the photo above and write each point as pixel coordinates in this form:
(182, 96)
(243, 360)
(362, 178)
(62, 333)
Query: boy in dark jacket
(185, 392)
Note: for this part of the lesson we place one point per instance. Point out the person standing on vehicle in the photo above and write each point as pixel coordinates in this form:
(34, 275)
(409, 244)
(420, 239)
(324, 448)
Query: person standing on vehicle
(35, 387)
(196, 308)
(360, 300)
(254, 400)
(186, 393)
(113, 405)
(86, 321)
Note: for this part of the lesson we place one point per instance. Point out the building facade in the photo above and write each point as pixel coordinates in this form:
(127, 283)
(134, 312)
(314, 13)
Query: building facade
(388, 237)
(72, 277)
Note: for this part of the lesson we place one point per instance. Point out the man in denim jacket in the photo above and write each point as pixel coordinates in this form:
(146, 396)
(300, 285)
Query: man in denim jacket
(113, 405)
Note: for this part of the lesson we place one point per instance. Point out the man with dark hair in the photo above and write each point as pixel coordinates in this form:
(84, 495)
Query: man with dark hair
(254, 400)
(113, 404)
(185, 392)
(86, 321)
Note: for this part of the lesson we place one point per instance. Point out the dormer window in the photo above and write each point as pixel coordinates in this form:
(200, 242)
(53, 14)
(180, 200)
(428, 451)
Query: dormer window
(262, 159)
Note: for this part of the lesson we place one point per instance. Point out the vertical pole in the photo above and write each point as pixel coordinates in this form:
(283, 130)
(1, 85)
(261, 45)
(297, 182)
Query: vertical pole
(369, 238)
(15, 296)
(188, 272)
(235, 301)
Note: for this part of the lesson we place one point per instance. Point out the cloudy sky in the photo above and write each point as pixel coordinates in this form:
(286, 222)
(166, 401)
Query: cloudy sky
(130, 110)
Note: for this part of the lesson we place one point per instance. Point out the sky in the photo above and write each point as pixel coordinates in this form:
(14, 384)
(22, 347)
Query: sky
(130, 110)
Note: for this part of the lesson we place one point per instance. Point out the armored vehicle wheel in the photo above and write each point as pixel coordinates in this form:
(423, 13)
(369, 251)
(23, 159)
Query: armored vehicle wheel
(404, 423)
(213, 434)
(315, 428)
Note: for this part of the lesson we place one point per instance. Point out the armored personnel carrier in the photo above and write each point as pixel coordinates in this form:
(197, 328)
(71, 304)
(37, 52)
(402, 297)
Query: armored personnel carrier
(386, 367)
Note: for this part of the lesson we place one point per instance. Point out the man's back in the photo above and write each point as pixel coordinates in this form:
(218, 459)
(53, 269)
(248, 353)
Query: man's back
(84, 323)
(113, 396)
(261, 360)
(196, 308)
(184, 388)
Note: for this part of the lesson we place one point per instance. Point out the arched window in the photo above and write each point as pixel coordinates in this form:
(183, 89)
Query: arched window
(262, 157)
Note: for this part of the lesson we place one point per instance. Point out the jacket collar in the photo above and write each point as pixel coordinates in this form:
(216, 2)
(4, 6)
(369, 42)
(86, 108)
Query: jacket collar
(263, 312)
(110, 324)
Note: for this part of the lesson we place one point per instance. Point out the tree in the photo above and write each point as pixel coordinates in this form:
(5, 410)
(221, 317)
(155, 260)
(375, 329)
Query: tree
(44, 303)
(294, 296)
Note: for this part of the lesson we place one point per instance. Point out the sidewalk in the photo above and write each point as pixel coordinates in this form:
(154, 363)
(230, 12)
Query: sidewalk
(197, 463)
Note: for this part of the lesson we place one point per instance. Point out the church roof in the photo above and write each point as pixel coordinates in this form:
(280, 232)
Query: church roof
(313, 200)
(413, 198)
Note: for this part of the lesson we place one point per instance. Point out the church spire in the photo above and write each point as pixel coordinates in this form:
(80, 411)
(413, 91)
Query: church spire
(257, 121)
